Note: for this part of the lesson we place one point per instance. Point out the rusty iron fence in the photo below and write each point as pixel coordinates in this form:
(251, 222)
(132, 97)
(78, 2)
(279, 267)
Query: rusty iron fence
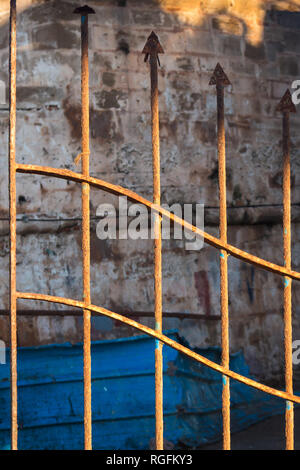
(220, 81)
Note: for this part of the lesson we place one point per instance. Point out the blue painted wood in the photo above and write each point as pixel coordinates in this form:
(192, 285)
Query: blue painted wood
(50, 392)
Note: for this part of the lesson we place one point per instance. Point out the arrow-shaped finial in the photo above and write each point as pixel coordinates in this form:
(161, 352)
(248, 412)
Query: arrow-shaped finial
(286, 104)
(219, 77)
(152, 47)
(85, 10)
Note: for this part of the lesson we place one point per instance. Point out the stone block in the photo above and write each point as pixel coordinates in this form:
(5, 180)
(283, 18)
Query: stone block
(227, 24)
(55, 36)
(255, 53)
(230, 46)
(288, 65)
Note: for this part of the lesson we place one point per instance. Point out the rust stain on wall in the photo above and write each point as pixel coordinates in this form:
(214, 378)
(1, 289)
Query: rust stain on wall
(73, 115)
(202, 287)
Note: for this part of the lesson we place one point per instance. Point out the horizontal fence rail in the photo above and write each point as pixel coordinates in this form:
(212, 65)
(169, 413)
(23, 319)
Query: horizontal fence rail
(169, 342)
(134, 197)
(220, 80)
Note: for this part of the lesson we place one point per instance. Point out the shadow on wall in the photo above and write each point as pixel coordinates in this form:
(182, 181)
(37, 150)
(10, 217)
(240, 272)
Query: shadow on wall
(236, 17)
(50, 20)
(233, 17)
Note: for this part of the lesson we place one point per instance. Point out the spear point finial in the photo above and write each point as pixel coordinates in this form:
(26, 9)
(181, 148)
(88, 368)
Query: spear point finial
(85, 10)
(219, 77)
(286, 104)
(152, 46)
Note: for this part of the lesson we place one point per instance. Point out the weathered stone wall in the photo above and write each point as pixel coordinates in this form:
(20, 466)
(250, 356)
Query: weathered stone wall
(261, 58)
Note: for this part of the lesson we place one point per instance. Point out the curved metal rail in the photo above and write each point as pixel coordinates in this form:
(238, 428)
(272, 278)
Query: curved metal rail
(131, 195)
(161, 337)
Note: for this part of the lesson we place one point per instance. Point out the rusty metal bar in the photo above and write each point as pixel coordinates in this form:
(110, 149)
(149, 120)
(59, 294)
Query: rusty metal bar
(286, 107)
(161, 337)
(152, 49)
(289, 414)
(220, 79)
(12, 224)
(132, 196)
(85, 117)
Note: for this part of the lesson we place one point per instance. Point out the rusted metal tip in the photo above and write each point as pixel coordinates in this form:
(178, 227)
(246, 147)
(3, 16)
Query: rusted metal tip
(219, 77)
(85, 10)
(152, 46)
(286, 104)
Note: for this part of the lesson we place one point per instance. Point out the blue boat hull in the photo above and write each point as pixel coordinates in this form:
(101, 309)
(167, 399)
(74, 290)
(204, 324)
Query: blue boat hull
(50, 397)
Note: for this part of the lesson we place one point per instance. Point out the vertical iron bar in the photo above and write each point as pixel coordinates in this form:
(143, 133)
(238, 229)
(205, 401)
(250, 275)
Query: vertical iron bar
(223, 267)
(286, 106)
(85, 197)
(220, 80)
(86, 238)
(287, 296)
(157, 254)
(152, 48)
(12, 228)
